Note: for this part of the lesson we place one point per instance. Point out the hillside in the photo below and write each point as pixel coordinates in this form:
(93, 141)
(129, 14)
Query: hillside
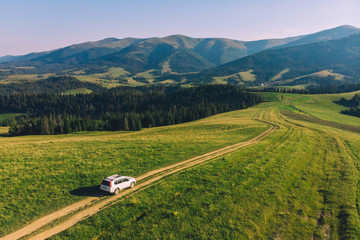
(176, 54)
(335, 62)
(54, 85)
(58, 55)
(258, 191)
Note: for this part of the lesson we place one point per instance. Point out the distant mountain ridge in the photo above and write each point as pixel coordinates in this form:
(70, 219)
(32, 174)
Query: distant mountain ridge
(176, 53)
(325, 35)
(335, 62)
(329, 56)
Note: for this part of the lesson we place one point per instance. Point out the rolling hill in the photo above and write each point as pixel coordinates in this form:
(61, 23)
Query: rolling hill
(335, 61)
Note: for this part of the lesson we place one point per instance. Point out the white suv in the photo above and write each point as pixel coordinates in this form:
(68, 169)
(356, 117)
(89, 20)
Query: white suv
(115, 183)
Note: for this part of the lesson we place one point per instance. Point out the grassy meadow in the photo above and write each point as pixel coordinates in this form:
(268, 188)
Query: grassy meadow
(78, 91)
(323, 106)
(39, 174)
(5, 116)
(114, 77)
(299, 183)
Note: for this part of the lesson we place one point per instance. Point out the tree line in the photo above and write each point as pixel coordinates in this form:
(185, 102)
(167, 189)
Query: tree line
(311, 89)
(353, 104)
(122, 108)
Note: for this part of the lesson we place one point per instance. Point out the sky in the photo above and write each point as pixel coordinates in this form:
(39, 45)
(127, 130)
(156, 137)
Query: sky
(39, 25)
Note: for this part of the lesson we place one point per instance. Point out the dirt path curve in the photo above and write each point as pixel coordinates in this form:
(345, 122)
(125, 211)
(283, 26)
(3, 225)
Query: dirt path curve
(93, 205)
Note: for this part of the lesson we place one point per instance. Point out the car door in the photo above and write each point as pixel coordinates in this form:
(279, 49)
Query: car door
(125, 183)
(118, 184)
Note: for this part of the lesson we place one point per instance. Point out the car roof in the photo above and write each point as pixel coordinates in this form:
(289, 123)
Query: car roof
(115, 176)
(112, 177)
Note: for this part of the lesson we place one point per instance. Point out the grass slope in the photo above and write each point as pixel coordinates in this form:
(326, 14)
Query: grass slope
(311, 63)
(299, 183)
(322, 106)
(78, 91)
(46, 173)
(5, 116)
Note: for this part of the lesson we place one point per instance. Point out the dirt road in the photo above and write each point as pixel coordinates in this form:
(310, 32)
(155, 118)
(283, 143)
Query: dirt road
(93, 205)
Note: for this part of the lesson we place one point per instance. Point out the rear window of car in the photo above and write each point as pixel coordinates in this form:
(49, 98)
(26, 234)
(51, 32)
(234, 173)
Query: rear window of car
(106, 183)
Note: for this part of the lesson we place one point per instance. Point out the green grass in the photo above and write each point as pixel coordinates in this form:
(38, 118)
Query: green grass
(323, 73)
(290, 113)
(297, 87)
(38, 173)
(114, 77)
(103, 82)
(248, 76)
(147, 74)
(24, 77)
(299, 183)
(280, 74)
(5, 116)
(326, 73)
(323, 106)
(4, 130)
(219, 80)
(77, 91)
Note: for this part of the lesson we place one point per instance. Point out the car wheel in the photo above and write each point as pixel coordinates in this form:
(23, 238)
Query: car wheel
(116, 192)
(132, 184)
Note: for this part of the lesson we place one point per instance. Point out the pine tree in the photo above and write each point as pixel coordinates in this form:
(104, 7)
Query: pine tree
(45, 127)
(13, 128)
(67, 126)
(132, 123)
(126, 124)
(139, 125)
(52, 122)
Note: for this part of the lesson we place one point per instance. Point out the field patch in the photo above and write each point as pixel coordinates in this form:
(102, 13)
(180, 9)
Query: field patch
(280, 74)
(4, 116)
(4, 130)
(246, 76)
(323, 106)
(303, 117)
(327, 73)
(78, 91)
(116, 76)
(24, 78)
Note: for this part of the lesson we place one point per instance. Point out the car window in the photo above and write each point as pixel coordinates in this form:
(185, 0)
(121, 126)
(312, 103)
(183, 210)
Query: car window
(106, 183)
(125, 180)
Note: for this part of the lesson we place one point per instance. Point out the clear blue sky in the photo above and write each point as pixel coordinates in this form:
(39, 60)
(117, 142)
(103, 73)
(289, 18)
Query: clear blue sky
(38, 25)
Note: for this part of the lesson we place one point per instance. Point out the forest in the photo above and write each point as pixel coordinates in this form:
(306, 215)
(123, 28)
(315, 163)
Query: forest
(311, 89)
(353, 104)
(121, 108)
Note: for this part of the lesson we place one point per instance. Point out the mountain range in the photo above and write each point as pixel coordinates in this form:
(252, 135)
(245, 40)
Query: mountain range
(179, 58)
(330, 62)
